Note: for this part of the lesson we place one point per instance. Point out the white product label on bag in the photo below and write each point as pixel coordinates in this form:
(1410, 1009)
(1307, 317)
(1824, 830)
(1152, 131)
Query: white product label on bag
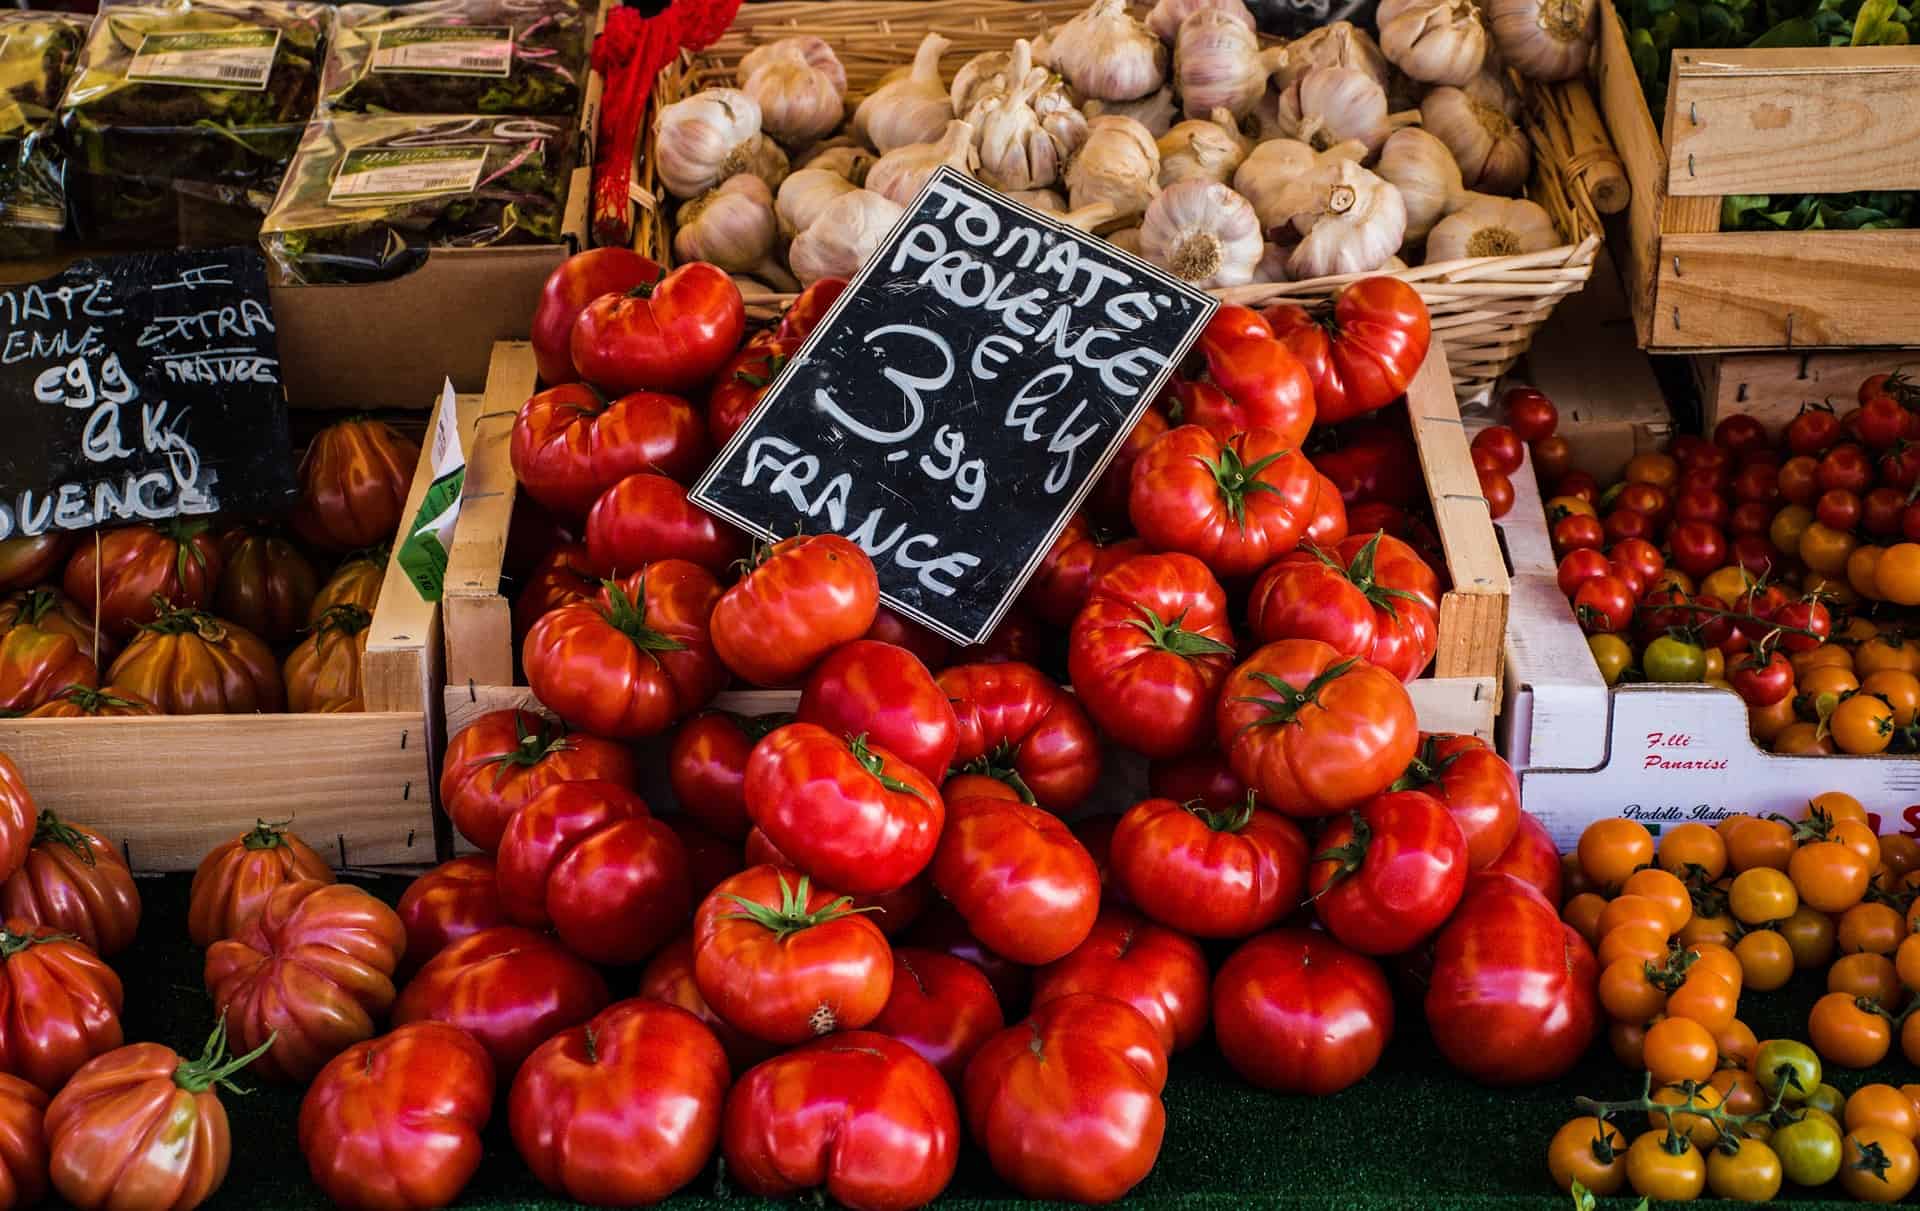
(210, 58)
(397, 174)
(445, 50)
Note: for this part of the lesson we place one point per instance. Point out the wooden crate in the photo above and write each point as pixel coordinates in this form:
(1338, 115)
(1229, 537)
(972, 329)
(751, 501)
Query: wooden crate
(1815, 120)
(1772, 386)
(1462, 695)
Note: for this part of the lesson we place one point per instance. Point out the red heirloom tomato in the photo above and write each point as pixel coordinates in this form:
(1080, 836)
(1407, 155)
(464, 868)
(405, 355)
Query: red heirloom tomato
(588, 859)
(26, 562)
(804, 597)
(355, 582)
(266, 585)
(1294, 1010)
(707, 768)
(190, 663)
(308, 977)
(1205, 777)
(893, 911)
(1212, 872)
(742, 382)
(1161, 973)
(858, 1115)
(784, 961)
(49, 609)
(1148, 653)
(1253, 382)
(1329, 524)
(1531, 857)
(934, 651)
(884, 693)
(635, 661)
(647, 517)
(1389, 873)
(1067, 1103)
(75, 881)
(1070, 567)
(1017, 726)
(1374, 461)
(322, 673)
(1235, 505)
(711, 860)
(854, 816)
(452, 901)
(354, 480)
(504, 758)
(570, 444)
(1026, 886)
(940, 1006)
(509, 988)
(563, 577)
(577, 281)
(668, 977)
(175, 561)
(18, 818)
(669, 335)
(1476, 785)
(394, 1123)
(235, 880)
(59, 1004)
(23, 1143)
(79, 702)
(1365, 354)
(1371, 596)
(1315, 734)
(623, 1110)
(38, 663)
(942, 928)
(1115, 485)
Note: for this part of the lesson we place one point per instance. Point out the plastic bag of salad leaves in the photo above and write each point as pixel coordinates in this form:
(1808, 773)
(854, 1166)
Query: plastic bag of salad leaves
(459, 57)
(37, 54)
(368, 196)
(186, 103)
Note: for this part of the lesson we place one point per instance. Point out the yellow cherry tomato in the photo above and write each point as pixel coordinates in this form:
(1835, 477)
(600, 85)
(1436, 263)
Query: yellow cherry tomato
(1727, 584)
(1789, 524)
(1897, 576)
(1612, 653)
(1862, 725)
(1863, 571)
(1825, 549)
(1899, 690)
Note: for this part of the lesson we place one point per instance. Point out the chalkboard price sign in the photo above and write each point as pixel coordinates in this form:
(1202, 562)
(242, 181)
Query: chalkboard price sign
(138, 388)
(958, 401)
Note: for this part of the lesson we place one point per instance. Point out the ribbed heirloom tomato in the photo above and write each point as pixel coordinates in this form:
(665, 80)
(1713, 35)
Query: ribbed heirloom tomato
(668, 977)
(1221, 872)
(121, 572)
(940, 1006)
(1159, 972)
(1252, 381)
(59, 1004)
(266, 584)
(563, 576)
(38, 662)
(570, 443)
(1388, 873)
(672, 334)
(452, 901)
(804, 597)
(504, 758)
(579, 280)
(1235, 505)
(23, 1143)
(1365, 354)
(354, 480)
(707, 768)
(1026, 886)
(25, 562)
(189, 663)
(509, 988)
(234, 881)
(74, 880)
(1295, 1011)
(1370, 596)
(1066, 574)
(1018, 727)
(1477, 786)
(885, 693)
(647, 517)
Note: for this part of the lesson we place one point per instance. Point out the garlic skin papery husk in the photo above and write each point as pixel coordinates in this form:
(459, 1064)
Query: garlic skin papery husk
(909, 109)
(1120, 165)
(1355, 224)
(1436, 41)
(1331, 105)
(1202, 233)
(1127, 240)
(900, 174)
(1107, 55)
(841, 239)
(1544, 39)
(815, 52)
(804, 195)
(1218, 64)
(1493, 153)
(1167, 16)
(1015, 151)
(1278, 176)
(1157, 112)
(979, 77)
(1203, 149)
(1342, 44)
(1273, 264)
(1048, 200)
(704, 139)
(800, 86)
(1423, 170)
(1489, 226)
(732, 227)
(846, 160)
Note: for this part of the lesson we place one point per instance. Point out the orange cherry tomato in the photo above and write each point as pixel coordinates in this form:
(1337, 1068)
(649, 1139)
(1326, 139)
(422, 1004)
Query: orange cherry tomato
(1719, 959)
(1827, 679)
(1680, 1049)
(1634, 910)
(1803, 740)
(1663, 1175)
(1664, 889)
(1612, 849)
(1900, 691)
(1590, 1151)
(1753, 842)
(1645, 942)
(1871, 926)
(1867, 975)
(1910, 1039)
(1765, 723)
(1862, 725)
(1900, 852)
(1843, 1033)
(1765, 959)
(1654, 468)
(1696, 1127)
(1691, 845)
(1627, 994)
(1827, 654)
(1828, 875)
(1811, 935)
(1878, 1164)
(1705, 997)
(1583, 913)
(1906, 962)
(1857, 836)
(1740, 1091)
(1762, 894)
(1882, 1106)
(1737, 1043)
(1897, 577)
(1719, 930)
(1838, 805)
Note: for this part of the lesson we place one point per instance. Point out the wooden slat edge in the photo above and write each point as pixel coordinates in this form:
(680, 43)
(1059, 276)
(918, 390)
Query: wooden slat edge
(1789, 290)
(477, 618)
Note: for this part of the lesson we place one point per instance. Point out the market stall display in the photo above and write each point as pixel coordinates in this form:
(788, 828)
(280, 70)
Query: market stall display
(36, 60)
(458, 57)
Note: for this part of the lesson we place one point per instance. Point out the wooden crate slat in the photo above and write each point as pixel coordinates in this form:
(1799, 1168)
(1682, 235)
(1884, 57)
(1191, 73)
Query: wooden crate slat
(478, 617)
(1772, 386)
(1757, 289)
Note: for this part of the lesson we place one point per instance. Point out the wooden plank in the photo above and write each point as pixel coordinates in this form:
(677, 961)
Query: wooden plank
(1630, 124)
(1771, 290)
(1819, 120)
(1772, 386)
(477, 617)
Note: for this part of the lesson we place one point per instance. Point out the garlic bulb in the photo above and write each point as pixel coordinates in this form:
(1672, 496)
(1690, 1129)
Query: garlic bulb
(1492, 152)
(912, 108)
(804, 195)
(1355, 224)
(1544, 39)
(1422, 169)
(1330, 105)
(1047, 200)
(1436, 41)
(979, 77)
(1342, 44)
(1489, 226)
(800, 86)
(732, 227)
(1203, 233)
(1201, 149)
(844, 160)
(706, 138)
(1168, 15)
(847, 232)
(1218, 64)
(1277, 177)
(1015, 151)
(1156, 112)
(1106, 54)
(1273, 264)
(1120, 165)
(900, 174)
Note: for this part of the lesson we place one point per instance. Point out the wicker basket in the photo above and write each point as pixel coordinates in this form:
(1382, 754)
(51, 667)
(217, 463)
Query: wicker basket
(1486, 307)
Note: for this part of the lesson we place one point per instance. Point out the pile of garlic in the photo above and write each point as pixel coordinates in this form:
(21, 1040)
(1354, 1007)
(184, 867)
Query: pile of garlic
(1182, 134)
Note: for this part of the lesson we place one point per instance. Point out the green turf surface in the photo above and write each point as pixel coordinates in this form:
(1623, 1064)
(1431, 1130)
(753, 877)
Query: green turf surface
(1412, 1136)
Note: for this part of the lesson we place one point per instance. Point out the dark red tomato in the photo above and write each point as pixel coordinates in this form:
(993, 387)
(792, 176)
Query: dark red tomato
(59, 1005)
(669, 335)
(1235, 505)
(647, 517)
(1477, 786)
(1603, 605)
(624, 1109)
(1512, 998)
(452, 901)
(1329, 524)
(74, 880)
(669, 977)
(1017, 726)
(354, 480)
(1372, 596)
(1364, 355)
(1210, 872)
(570, 444)
(1814, 430)
(1626, 525)
(1752, 517)
(742, 383)
(1498, 491)
(1020, 638)
(1717, 631)
(1883, 421)
(707, 767)
(1371, 461)
(1710, 467)
(1203, 777)
(1532, 858)
(1530, 413)
(503, 758)
(1697, 548)
(942, 928)
(509, 988)
(577, 281)
(1067, 572)
(1741, 433)
(634, 662)
(1642, 556)
(1114, 488)
(1067, 1103)
(28, 562)
(1552, 457)
(934, 651)
(711, 860)
(1026, 886)
(1254, 381)
(1910, 522)
(1880, 511)
(1892, 383)
(1759, 603)
(808, 308)
(942, 1007)
(1805, 625)
(1900, 466)
(884, 693)
(1579, 566)
(859, 1116)
(1664, 610)
(1757, 482)
(1502, 446)
(1799, 480)
(1161, 973)
(1578, 530)
(1700, 506)
(266, 585)
(1846, 467)
(1294, 1010)
(1096, 834)
(1148, 653)
(118, 574)
(1579, 484)
(804, 597)
(1688, 447)
(1389, 873)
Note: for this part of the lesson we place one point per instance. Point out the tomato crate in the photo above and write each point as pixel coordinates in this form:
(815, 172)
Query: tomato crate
(1765, 121)
(1771, 386)
(359, 787)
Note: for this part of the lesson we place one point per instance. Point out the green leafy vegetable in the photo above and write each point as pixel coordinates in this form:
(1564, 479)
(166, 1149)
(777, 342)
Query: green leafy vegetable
(529, 57)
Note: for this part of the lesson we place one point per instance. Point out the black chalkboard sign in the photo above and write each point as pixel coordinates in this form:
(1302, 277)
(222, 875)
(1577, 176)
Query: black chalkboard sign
(958, 401)
(141, 387)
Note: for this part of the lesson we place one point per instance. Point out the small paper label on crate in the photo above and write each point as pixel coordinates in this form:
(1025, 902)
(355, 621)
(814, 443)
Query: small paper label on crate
(209, 58)
(398, 174)
(423, 556)
(445, 50)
